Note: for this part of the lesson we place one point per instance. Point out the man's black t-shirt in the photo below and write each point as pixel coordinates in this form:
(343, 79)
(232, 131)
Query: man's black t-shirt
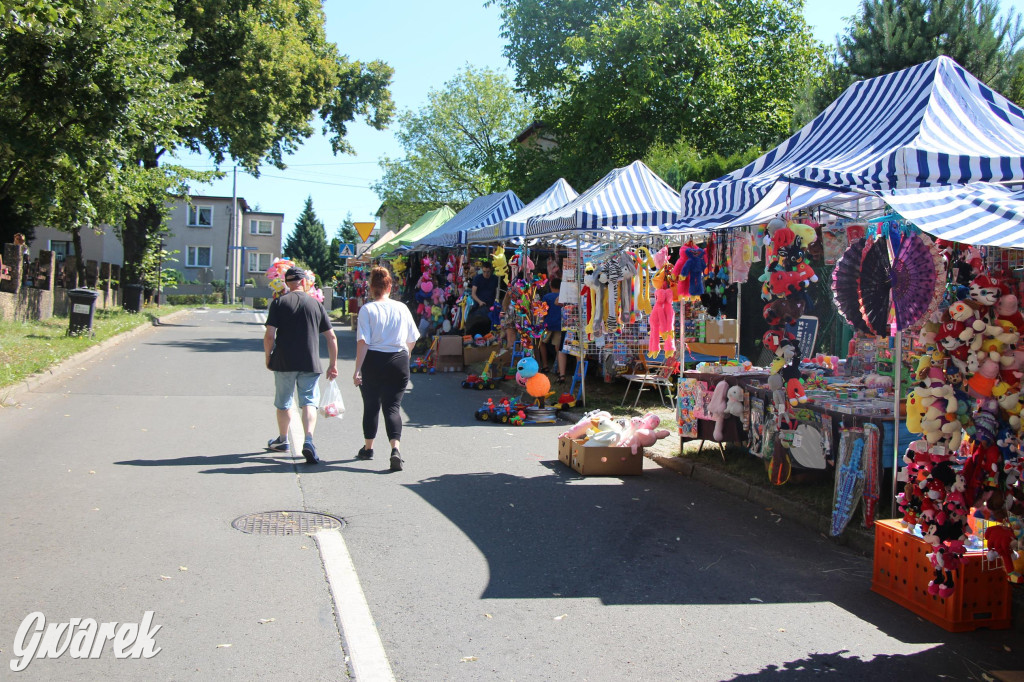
(486, 288)
(299, 319)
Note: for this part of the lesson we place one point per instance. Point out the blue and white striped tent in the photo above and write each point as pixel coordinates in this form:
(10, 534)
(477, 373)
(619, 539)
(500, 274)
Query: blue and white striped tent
(485, 210)
(629, 199)
(933, 124)
(557, 195)
(980, 213)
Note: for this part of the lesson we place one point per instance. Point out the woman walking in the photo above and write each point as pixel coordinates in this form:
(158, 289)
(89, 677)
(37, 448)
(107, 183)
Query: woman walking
(385, 336)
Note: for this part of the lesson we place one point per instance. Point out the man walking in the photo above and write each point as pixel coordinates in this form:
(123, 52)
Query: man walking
(292, 352)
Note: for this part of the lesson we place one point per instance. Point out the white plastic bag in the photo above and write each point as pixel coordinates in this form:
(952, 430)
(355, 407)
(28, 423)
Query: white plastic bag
(331, 404)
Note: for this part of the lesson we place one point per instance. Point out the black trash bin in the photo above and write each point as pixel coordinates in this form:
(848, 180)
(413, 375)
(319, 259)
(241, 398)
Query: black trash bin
(82, 310)
(131, 297)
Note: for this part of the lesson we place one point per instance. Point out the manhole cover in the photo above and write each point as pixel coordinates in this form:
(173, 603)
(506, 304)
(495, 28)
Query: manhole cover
(286, 523)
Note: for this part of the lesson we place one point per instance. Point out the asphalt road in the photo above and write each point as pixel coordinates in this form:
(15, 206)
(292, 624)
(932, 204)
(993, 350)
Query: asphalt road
(485, 559)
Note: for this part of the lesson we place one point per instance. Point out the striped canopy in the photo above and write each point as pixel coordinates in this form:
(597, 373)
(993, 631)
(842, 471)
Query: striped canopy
(631, 199)
(930, 125)
(980, 213)
(555, 196)
(485, 210)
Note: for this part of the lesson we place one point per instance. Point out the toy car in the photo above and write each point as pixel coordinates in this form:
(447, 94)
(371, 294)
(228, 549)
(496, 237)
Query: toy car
(421, 366)
(565, 401)
(478, 382)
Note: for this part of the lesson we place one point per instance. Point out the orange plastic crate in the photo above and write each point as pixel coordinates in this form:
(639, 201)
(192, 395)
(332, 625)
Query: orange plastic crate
(902, 572)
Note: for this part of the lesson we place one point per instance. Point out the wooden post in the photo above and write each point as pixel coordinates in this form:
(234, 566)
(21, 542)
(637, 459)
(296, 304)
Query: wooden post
(92, 273)
(104, 284)
(13, 259)
(47, 261)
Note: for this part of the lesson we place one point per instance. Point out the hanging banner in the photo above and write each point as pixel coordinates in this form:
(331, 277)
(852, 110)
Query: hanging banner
(364, 229)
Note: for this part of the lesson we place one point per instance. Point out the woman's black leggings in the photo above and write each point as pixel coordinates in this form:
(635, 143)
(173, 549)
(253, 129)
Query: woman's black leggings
(385, 376)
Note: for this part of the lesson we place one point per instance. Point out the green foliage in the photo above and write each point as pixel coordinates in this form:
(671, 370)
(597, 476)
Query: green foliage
(889, 35)
(614, 78)
(308, 242)
(193, 299)
(457, 145)
(680, 163)
(263, 70)
(79, 96)
(260, 303)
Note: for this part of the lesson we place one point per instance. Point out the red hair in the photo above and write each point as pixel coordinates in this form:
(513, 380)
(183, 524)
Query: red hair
(380, 281)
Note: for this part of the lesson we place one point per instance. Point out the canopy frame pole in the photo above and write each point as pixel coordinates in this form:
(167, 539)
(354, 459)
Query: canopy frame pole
(581, 322)
(898, 362)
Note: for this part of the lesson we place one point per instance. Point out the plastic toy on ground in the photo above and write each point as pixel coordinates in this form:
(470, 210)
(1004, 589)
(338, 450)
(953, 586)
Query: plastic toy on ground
(505, 411)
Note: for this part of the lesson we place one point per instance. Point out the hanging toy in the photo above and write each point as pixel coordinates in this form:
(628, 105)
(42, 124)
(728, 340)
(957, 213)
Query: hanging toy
(499, 263)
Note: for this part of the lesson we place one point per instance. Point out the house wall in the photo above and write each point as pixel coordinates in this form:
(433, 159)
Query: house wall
(269, 245)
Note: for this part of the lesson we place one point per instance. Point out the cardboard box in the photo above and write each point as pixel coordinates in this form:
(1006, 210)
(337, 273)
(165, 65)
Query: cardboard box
(449, 364)
(449, 346)
(472, 355)
(602, 461)
(721, 331)
(565, 451)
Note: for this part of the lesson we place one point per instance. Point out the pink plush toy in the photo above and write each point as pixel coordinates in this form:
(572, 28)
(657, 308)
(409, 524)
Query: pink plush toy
(647, 434)
(719, 400)
(662, 324)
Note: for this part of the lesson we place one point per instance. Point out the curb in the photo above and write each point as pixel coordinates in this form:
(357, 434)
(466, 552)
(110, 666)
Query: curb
(9, 396)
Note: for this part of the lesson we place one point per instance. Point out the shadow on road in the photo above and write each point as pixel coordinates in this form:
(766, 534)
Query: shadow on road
(616, 541)
(265, 462)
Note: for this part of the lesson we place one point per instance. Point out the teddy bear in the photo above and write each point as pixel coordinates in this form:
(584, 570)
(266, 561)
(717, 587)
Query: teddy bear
(717, 409)
(734, 406)
(647, 433)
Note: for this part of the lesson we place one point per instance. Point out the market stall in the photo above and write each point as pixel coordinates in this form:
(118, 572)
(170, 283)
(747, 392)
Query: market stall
(482, 211)
(901, 138)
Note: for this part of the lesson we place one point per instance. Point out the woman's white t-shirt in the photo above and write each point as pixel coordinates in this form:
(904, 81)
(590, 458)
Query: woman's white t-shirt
(386, 326)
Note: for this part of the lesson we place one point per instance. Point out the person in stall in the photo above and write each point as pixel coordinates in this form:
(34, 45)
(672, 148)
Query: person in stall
(552, 339)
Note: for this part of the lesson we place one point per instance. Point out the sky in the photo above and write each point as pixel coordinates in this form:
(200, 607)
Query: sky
(426, 43)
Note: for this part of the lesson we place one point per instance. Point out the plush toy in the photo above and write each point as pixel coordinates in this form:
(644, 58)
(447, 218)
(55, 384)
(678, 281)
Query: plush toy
(783, 311)
(605, 433)
(985, 290)
(806, 233)
(783, 283)
(586, 422)
(716, 407)
(689, 272)
(790, 372)
(734, 406)
(499, 263)
(527, 367)
(662, 324)
(1008, 311)
(999, 540)
(981, 384)
(647, 433)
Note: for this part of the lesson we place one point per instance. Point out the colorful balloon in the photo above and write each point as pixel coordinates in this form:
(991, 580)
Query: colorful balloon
(528, 367)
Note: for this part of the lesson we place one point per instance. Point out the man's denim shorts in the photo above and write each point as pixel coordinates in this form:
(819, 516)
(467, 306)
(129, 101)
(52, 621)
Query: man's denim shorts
(285, 384)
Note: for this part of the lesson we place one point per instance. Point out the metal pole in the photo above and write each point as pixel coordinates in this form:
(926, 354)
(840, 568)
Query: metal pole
(232, 227)
(582, 321)
(898, 362)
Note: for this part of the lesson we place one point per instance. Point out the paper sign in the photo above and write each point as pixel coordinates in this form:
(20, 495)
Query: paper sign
(364, 229)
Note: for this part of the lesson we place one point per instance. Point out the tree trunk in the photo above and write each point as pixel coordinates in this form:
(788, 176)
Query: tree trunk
(133, 237)
(76, 239)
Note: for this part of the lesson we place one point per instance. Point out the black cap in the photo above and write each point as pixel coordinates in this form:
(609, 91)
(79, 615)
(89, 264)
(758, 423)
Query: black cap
(294, 275)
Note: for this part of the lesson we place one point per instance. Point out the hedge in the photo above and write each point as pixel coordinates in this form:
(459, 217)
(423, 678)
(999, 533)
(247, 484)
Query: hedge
(193, 299)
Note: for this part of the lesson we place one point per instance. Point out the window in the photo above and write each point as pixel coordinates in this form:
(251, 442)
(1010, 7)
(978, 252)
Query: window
(199, 256)
(261, 227)
(62, 250)
(200, 216)
(259, 262)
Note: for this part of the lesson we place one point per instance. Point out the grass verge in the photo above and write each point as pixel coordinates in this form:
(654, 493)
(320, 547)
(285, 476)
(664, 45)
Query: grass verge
(27, 348)
(813, 489)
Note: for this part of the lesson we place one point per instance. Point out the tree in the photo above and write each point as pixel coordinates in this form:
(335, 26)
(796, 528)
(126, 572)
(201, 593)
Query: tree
(457, 145)
(347, 234)
(680, 163)
(81, 90)
(889, 35)
(308, 242)
(614, 78)
(263, 69)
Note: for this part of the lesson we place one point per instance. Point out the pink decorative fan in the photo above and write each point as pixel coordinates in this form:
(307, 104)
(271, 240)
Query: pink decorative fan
(913, 281)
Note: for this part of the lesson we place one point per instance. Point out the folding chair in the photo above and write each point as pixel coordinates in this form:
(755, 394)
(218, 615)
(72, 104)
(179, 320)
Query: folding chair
(653, 375)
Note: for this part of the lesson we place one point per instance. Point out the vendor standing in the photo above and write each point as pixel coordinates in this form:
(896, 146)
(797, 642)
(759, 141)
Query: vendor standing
(485, 288)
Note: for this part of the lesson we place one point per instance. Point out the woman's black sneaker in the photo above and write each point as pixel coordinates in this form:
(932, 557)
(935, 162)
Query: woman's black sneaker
(364, 453)
(396, 460)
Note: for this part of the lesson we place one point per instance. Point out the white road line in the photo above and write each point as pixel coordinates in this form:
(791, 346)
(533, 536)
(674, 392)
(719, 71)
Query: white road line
(369, 662)
(261, 317)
